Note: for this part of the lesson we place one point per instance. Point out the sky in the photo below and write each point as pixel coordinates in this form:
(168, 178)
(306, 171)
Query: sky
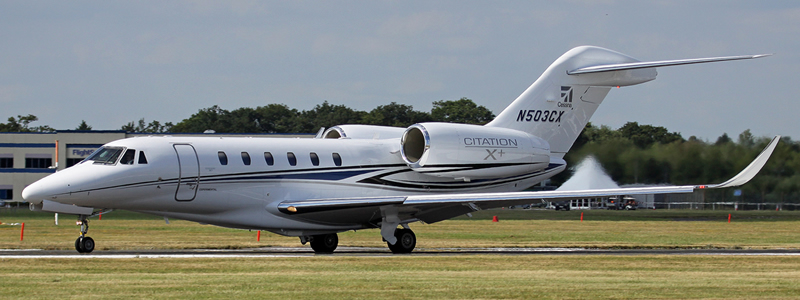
(112, 62)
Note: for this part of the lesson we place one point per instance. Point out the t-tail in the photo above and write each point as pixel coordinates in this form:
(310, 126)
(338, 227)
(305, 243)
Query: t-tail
(559, 104)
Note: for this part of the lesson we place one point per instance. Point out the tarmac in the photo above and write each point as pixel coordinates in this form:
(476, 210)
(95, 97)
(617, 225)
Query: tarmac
(375, 252)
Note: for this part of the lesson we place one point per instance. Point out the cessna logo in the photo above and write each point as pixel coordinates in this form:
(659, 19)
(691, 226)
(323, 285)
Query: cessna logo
(566, 97)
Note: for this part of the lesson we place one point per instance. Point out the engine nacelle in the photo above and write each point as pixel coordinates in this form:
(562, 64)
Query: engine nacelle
(472, 151)
(363, 132)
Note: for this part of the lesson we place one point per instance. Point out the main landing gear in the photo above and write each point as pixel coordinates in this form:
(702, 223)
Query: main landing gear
(327, 243)
(322, 243)
(84, 244)
(406, 241)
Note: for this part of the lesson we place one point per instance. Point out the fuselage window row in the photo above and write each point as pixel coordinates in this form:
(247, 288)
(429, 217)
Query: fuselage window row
(246, 160)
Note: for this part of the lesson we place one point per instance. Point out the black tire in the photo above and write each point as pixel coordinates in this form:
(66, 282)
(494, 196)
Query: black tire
(87, 244)
(324, 243)
(406, 241)
(79, 245)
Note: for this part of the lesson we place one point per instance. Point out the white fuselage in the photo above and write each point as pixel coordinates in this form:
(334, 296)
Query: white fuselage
(184, 177)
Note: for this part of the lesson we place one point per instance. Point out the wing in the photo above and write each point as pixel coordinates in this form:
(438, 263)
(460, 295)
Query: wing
(388, 212)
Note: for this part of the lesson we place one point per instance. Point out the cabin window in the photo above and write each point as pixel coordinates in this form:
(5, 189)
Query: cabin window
(223, 159)
(292, 158)
(337, 160)
(314, 159)
(142, 158)
(246, 158)
(268, 157)
(127, 158)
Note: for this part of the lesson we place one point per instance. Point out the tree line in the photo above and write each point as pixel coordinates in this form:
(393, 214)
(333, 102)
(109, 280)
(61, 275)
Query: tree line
(649, 155)
(279, 118)
(631, 154)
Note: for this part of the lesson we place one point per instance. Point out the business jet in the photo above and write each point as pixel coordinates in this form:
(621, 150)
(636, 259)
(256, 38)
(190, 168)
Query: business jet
(353, 177)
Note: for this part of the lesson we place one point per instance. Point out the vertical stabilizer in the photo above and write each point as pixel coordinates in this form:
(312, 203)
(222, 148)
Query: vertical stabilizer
(557, 106)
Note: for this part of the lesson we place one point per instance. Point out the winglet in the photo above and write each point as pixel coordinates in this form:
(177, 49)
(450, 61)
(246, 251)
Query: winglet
(751, 170)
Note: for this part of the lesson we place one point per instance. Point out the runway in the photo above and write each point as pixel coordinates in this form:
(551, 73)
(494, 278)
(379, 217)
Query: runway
(277, 252)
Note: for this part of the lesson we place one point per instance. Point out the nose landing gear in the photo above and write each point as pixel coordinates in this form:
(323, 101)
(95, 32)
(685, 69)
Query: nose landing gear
(84, 244)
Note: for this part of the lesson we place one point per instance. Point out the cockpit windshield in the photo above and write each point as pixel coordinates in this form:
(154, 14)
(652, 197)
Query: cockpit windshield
(105, 155)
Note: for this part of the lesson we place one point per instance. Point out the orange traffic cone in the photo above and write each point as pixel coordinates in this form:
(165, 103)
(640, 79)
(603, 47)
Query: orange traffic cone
(494, 219)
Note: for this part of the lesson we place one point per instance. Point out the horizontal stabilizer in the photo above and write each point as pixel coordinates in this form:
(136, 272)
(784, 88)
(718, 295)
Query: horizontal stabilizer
(653, 64)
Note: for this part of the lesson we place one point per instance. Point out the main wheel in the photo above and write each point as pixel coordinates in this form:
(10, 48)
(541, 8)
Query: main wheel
(87, 244)
(79, 245)
(324, 243)
(406, 241)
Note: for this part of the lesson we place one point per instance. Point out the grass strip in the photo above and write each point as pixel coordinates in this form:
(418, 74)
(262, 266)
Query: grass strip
(129, 231)
(408, 277)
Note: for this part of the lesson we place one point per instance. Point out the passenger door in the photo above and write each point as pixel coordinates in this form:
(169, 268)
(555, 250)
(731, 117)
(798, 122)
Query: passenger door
(189, 172)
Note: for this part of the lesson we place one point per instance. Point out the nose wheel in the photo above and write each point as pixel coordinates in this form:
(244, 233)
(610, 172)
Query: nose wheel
(84, 244)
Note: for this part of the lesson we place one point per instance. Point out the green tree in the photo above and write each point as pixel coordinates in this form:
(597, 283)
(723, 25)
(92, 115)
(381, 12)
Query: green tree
(646, 135)
(393, 114)
(83, 126)
(326, 115)
(276, 118)
(143, 127)
(746, 139)
(212, 118)
(22, 124)
(723, 139)
(463, 110)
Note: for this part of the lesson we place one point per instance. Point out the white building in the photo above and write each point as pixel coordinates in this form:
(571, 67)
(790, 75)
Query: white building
(27, 157)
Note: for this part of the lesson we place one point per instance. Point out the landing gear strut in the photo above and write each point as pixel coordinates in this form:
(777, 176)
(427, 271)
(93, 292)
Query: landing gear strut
(324, 243)
(84, 244)
(406, 241)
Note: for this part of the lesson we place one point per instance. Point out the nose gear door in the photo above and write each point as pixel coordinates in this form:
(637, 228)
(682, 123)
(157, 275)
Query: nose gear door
(189, 172)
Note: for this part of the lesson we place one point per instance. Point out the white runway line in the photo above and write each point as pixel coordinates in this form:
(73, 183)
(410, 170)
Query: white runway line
(292, 252)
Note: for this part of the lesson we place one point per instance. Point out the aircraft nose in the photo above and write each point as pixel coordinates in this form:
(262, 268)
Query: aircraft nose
(34, 193)
(45, 188)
